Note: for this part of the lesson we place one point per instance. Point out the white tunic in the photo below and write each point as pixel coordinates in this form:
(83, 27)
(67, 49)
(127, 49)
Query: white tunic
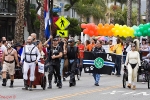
(133, 57)
(27, 49)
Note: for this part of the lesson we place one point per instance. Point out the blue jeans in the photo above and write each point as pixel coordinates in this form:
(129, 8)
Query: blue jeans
(81, 66)
(124, 58)
(118, 64)
(61, 66)
(96, 78)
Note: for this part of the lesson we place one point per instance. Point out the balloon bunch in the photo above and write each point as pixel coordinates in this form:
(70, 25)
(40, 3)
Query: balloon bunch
(90, 29)
(123, 31)
(105, 30)
(142, 30)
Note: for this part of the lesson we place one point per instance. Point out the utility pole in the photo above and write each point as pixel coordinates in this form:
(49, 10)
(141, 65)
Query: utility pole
(51, 15)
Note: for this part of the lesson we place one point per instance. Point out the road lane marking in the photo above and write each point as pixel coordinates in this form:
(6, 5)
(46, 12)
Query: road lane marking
(83, 93)
(113, 92)
(144, 93)
(128, 93)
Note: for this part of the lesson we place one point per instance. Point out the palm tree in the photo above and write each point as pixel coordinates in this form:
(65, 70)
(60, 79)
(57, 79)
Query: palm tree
(147, 11)
(129, 13)
(42, 25)
(19, 25)
(139, 12)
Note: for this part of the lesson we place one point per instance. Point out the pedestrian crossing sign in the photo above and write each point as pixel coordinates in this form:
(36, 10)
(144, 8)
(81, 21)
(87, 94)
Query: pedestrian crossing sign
(62, 33)
(62, 23)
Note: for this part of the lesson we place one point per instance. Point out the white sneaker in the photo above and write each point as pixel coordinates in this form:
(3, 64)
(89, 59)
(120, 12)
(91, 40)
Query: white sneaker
(112, 73)
(143, 82)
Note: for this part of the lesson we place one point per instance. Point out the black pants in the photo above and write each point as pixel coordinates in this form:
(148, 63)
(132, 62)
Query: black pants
(54, 67)
(72, 68)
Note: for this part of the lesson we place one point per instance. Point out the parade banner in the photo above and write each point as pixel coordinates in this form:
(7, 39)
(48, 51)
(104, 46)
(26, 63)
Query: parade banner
(101, 63)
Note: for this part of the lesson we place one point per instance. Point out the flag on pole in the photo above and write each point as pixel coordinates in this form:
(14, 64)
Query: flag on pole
(47, 19)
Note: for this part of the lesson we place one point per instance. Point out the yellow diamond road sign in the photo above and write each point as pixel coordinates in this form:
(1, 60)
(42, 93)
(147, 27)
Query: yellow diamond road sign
(62, 23)
(62, 33)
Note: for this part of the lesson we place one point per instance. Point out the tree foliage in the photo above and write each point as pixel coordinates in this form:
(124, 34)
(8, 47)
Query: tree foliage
(95, 8)
(74, 28)
(120, 16)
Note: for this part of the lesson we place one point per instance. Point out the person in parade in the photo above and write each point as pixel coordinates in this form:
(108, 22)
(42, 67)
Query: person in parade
(19, 49)
(8, 61)
(91, 45)
(55, 53)
(144, 46)
(87, 42)
(33, 35)
(29, 58)
(97, 49)
(61, 44)
(2, 49)
(110, 46)
(65, 69)
(118, 50)
(41, 60)
(132, 63)
(81, 54)
(72, 54)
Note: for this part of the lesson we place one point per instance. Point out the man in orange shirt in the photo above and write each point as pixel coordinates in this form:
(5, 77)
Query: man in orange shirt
(91, 46)
(81, 54)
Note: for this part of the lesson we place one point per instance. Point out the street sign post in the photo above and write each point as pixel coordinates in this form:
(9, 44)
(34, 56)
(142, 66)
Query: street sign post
(62, 23)
(56, 9)
(62, 33)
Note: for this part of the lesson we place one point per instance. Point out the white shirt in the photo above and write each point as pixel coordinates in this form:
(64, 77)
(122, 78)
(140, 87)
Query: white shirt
(133, 57)
(27, 49)
(3, 48)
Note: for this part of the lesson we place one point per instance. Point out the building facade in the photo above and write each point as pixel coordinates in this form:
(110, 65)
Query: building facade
(7, 18)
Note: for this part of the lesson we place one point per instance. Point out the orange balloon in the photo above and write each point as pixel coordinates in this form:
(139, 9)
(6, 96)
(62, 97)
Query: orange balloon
(106, 25)
(111, 26)
(96, 34)
(85, 31)
(83, 25)
(100, 25)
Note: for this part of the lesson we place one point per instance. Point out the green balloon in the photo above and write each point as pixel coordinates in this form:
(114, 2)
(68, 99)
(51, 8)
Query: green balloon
(139, 34)
(142, 29)
(145, 33)
(148, 34)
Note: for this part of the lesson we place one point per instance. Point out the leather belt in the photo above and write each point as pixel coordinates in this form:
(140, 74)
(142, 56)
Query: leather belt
(9, 61)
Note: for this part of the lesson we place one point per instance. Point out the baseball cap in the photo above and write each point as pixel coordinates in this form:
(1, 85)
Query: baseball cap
(55, 39)
(70, 40)
(57, 36)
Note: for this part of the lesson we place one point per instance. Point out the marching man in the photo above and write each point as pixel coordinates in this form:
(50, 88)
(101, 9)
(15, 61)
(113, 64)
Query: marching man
(30, 56)
(8, 60)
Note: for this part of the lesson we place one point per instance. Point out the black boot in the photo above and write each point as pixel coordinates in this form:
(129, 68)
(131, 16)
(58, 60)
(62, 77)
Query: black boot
(60, 84)
(11, 84)
(74, 82)
(4, 82)
(30, 87)
(50, 85)
(25, 85)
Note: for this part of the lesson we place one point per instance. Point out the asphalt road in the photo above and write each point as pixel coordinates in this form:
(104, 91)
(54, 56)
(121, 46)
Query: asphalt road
(110, 89)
